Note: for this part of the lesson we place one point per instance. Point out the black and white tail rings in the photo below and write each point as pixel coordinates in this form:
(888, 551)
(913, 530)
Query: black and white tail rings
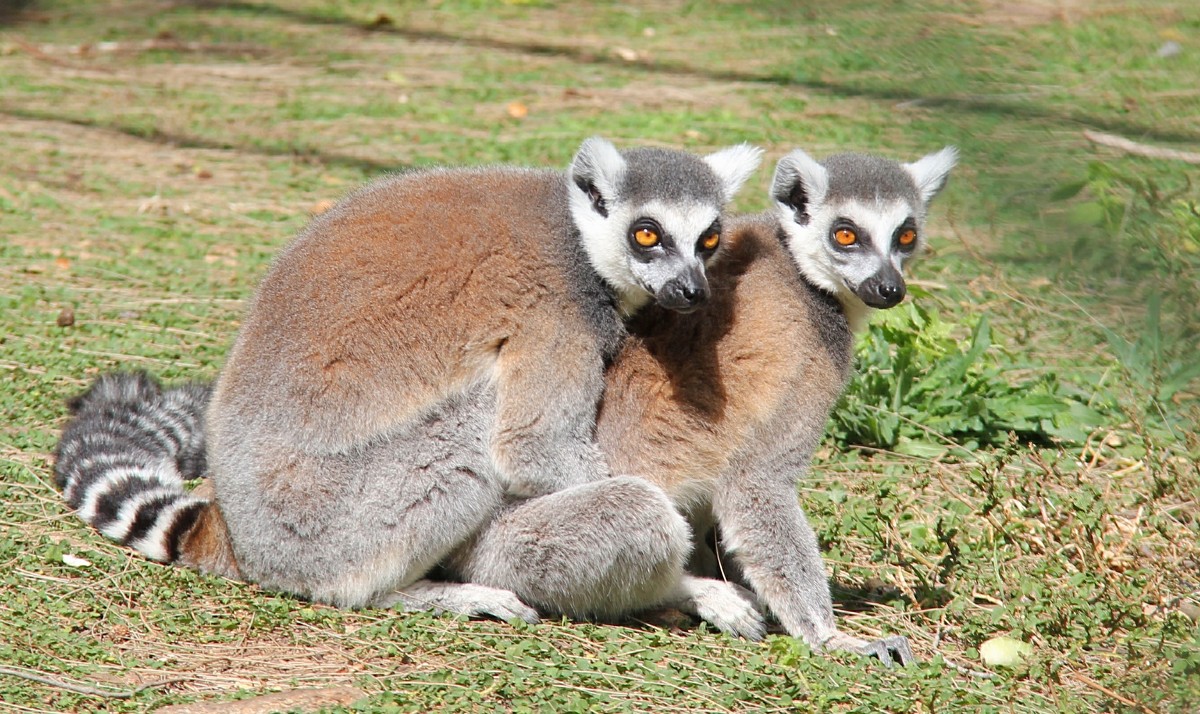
(124, 457)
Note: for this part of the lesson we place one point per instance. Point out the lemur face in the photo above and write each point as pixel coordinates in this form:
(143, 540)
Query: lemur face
(854, 221)
(649, 219)
(668, 263)
(866, 246)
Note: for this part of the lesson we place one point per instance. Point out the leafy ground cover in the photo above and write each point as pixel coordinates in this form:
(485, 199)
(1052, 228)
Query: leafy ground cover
(1017, 455)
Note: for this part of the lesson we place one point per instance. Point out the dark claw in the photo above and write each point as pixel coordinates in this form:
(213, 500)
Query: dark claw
(890, 650)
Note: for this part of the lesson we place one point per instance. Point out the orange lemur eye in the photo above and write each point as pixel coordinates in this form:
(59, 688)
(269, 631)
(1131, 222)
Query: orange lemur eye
(908, 237)
(645, 237)
(845, 236)
(711, 241)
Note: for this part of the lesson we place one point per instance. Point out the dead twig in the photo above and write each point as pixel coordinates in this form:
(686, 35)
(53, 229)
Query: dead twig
(1132, 147)
(46, 52)
(1088, 681)
(82, 688)
(39, 54)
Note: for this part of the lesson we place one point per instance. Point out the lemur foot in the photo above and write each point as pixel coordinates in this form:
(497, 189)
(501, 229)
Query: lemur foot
(889, 650)
(463, 599)
(730, 608)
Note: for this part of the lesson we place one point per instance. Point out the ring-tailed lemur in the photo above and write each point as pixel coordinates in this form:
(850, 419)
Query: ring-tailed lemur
(390, 316)
(722, 408)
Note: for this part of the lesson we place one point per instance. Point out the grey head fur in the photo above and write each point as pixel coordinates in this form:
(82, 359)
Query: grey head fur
(866, 178)
(649, 218)
(853, 221)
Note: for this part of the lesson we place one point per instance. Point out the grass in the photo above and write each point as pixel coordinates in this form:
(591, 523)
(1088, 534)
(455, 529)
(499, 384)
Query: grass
(146, 183)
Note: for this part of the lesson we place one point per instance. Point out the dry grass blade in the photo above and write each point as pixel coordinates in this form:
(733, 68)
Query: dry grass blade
(83, 688)
(1137, 149)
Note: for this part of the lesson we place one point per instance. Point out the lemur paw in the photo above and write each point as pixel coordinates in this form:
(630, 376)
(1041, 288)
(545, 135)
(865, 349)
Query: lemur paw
(889, 650)
(507, 607)
(466, 599)
(730, 608)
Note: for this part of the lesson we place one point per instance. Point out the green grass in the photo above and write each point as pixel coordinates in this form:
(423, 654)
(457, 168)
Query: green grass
(146, 186)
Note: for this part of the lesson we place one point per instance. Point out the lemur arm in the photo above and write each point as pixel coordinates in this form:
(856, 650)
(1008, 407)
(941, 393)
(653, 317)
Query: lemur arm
(548, 388)
(765, 529)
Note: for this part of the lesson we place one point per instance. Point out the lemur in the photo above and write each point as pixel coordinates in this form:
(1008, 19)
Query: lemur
(390, 317)
(722, 408)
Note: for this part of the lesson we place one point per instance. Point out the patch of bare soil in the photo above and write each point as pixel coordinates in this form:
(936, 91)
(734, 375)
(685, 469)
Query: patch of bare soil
(295, 700)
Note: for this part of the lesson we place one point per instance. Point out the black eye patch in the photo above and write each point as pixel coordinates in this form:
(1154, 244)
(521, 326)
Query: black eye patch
(599, 205)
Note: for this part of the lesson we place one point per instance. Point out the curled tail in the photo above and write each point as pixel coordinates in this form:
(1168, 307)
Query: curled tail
(122, 462)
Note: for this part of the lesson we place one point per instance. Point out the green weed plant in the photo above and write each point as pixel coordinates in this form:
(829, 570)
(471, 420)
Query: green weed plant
(921, 390)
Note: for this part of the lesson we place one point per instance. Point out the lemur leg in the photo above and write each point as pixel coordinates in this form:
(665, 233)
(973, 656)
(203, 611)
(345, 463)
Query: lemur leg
(764, 527)
(596, 550)
(604, 550)
(360, 529)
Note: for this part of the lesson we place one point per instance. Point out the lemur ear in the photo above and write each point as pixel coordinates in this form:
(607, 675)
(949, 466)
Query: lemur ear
(799, 186)
(931, 172)
(733, 166)
(597, 170)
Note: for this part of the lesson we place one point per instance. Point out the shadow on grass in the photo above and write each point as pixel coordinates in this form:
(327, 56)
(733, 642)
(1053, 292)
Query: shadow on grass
(186, 141)
(11, 11)
(973, 104)
(865, 597)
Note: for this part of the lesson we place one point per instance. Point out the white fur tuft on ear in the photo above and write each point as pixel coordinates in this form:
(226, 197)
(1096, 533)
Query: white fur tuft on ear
(597, 163)
(800, 183)
(931, 172)
(734, 165)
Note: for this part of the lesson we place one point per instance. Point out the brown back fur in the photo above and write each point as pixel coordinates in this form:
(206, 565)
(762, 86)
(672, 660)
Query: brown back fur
(364, 335)
(687, 393)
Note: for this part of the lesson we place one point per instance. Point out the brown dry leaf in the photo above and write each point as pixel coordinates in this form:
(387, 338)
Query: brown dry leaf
(62, 262)
(321, 206)
(517, 110)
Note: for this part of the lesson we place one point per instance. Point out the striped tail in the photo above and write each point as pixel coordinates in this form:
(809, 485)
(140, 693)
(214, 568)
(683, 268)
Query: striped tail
(124, 456)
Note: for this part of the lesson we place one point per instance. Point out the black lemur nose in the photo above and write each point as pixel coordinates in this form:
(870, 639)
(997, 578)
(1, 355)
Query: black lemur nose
(891, 292)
